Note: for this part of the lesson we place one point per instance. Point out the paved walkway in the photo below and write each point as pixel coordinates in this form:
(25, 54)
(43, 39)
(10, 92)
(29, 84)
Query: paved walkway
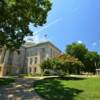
(21, 89)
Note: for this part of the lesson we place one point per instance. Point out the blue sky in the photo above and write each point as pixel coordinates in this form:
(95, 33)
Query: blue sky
(73, 20)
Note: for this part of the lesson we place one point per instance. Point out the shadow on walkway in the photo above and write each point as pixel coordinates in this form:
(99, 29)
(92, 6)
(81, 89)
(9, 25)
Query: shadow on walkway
(21, 89)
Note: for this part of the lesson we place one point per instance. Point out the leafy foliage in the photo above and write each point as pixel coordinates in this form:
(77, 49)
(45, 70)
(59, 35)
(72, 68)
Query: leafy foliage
(63, 64)
(15, 16)
(47, 64)
(70, 64)
(77, 50)
(90, 59)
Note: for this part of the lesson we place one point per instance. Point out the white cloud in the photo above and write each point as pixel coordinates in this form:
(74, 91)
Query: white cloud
(94, 44)
(79, 41)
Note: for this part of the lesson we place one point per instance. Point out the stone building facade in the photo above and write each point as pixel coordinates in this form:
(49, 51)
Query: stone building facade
(28, 58)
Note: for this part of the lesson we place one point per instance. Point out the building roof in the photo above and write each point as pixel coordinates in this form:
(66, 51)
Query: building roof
(30, 45)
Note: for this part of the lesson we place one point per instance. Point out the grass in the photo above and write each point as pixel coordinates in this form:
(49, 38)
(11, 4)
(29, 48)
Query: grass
(69, 88)
(6, 81)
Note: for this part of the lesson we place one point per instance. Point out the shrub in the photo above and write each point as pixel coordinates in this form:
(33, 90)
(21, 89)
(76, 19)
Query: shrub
(63, 65)
(46, 73)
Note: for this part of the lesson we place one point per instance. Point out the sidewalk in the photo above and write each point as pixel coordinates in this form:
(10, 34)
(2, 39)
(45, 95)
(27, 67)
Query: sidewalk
(21, 89)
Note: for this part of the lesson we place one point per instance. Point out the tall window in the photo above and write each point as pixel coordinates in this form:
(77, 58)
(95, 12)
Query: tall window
(31, 60)
(30, 70)
(51, 52)
(43, 53)
(35, 62)
(34, 69)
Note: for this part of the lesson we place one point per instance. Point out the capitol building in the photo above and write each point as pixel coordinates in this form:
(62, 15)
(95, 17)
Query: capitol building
(28, 58)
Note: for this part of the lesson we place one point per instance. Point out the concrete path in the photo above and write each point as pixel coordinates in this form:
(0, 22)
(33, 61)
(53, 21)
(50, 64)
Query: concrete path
(21, 89)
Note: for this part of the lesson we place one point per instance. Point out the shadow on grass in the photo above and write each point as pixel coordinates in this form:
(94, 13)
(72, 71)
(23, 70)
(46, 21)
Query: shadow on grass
(6, 81)
(71, 78)
(54, 90)
(67, 78)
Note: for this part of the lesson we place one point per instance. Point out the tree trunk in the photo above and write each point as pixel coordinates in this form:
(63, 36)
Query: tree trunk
(2, 56)
(6, 61)
(7, 57)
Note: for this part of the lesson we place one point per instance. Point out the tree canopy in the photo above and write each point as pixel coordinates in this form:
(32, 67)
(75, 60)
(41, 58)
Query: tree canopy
(63, 64)
(15, 16)
(90, 61)
(69, 58)
(77, 50)
(87, 57)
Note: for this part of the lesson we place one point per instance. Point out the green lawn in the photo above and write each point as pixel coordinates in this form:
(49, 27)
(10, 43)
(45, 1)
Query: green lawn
(69, 89)
(6, 81)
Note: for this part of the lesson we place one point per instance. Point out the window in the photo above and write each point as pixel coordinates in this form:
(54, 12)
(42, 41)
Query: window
(51, 52)
(30, 70)
(34, 69)
(33, 51)
(43, 53)
(35, 62)
(43, 50)
(31, 60)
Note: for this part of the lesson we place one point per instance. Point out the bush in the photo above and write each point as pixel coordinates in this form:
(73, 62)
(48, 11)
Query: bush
(46, 73)
(63, 65)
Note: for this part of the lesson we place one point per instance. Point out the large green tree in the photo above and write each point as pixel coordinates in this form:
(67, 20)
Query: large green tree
(15, 16)
(91, 61)
(77, 50)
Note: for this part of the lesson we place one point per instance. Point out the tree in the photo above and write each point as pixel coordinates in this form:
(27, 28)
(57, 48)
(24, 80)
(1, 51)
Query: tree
(47, 64)
(90, 61)
(15, 16)
(87, 57)
(77, 50)
(50, 65)
(70, 64)
(63, 65)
